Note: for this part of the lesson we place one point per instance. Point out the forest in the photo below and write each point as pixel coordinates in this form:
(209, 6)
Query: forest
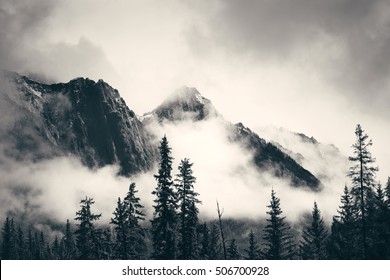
(359, 230)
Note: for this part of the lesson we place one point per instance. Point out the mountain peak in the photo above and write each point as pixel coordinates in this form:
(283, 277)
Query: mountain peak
(188, 95)
(82, 117)
(184, 103)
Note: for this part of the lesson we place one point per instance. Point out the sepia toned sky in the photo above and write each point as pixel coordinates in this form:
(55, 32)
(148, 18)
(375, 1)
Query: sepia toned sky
(312, 66)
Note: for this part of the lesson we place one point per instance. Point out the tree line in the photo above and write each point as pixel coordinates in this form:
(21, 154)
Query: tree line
(359, 230)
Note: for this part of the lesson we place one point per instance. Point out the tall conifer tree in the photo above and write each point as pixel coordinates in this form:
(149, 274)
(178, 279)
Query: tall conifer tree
(86, 234)
(215, 251)
(313, 243)
(130, 243)
(188, 211)
(279, 243)
(164, 222)
(68, 243)
(362, 174)
(204, 253)
(342, 240)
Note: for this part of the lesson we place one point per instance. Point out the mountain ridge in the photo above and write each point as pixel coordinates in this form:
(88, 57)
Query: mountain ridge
(91, 121)
(84, 118)
(266, 156)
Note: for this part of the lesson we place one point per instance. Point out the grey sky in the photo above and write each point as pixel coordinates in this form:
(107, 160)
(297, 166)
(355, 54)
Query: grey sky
(319, 67)
(353, 34)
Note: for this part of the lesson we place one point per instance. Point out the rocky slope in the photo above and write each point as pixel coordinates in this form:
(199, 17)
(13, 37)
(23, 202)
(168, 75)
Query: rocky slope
(188, 104)
(83, 118)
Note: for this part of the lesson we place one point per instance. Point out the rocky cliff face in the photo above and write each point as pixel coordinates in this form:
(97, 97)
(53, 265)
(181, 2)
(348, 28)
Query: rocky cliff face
(83, 118)
(91, 121)
(267, 156)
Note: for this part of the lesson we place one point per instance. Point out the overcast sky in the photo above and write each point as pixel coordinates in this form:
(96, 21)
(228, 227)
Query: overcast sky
(313, 66)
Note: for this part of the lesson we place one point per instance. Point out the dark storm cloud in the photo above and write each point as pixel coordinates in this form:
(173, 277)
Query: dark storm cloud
(20, 22)
(278, 29)
(25, 48)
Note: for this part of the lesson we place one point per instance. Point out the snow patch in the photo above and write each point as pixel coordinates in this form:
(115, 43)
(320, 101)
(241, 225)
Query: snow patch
(33, 91)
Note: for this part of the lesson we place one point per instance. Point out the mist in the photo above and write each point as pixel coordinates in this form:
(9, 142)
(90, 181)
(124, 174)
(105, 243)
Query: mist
(52, 189)
(225, 173)
(317, 68)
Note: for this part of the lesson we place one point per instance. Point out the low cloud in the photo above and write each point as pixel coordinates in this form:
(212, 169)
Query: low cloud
(225, 172)
(52, 189)
(26, 48)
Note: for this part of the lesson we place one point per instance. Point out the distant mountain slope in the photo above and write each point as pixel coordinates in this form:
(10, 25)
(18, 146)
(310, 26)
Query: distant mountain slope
(326, 162)
(189, 104)
(84, 118)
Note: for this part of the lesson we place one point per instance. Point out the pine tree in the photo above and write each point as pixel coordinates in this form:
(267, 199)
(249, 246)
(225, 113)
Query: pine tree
(279, 243)
(136, 216)
(44, 247)
(56, 249)
(87, 239)
(232, 251)
(106, 244)
(121, 228)
(68, 244)
(30, 244)
(253, 251)
(164, 222)
(215, 251)
(130, 243)
(188, 211)
(9, 247)
(380, 231)
(21, 245)
(204, 252)
(387, 193)
(362, 174)
(342, 240)
(313, 244)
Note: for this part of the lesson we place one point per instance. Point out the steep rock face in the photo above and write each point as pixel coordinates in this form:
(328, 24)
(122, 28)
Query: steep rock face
(268, 156)
(83, 118)
(325, 161)
(189, 104)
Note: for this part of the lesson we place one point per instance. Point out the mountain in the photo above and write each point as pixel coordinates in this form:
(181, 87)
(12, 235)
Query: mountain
(187, 104)
(91, 121)
(83, 118)
(325, 161)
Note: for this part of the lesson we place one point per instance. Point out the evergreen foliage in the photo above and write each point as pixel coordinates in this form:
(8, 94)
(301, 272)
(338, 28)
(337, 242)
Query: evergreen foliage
(87, 237)
(9, 248)
(359, 230)
(313, 243)
(343, 241)
(215, 251)
(362, 174)
(253, 252)
(204, 251)
(68, 243)
(164, 222)
(188, 211)
(279, 243)
(232, 251)
(129, 243)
